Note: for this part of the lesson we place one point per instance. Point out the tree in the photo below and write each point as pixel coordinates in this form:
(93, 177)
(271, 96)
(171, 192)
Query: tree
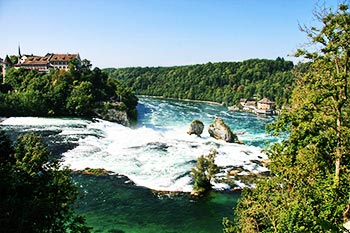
(80, 100)
(74, 65)
(330, 77)
(14, 59)
(77, 92)
(86, 65)
(214, 81)
(309, 186)
(36, 194)
(204, 171)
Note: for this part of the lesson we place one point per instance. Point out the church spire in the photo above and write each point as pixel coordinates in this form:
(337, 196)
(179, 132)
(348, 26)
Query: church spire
(19, 51)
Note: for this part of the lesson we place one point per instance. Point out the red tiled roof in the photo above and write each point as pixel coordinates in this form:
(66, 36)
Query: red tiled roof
(250, 103)
(63, 57)
(266, 101)
(45, 60)
(36, 60)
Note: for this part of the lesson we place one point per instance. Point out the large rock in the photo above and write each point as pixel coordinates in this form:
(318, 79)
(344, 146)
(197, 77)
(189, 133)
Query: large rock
(196, 128)
(114, 115)
(219, 130)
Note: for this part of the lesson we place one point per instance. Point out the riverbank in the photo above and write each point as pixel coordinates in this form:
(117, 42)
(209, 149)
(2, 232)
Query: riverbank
(187, 100)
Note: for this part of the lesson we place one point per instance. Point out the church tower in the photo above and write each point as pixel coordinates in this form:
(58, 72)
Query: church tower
(19, 52)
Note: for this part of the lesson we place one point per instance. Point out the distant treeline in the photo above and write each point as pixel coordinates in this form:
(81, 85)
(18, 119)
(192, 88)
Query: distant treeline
(225, 82)
(76, 92)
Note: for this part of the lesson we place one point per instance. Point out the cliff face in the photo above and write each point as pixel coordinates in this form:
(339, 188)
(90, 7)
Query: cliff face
(114, 113)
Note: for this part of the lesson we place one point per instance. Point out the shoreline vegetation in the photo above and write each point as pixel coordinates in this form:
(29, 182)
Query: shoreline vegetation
(77, 92)
(216, 83)
(308, 186)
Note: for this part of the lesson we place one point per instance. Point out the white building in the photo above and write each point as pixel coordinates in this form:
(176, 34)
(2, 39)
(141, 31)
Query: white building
(44, 63)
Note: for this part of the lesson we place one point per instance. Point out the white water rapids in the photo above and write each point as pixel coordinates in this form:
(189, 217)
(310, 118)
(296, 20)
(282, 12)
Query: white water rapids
(158, 154)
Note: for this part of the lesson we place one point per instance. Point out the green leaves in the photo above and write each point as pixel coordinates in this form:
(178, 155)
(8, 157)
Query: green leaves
(224, 82)
(30, 154)
(204, 171)
(61, 93)
(80, 101)
(309, 169)
(36, 194)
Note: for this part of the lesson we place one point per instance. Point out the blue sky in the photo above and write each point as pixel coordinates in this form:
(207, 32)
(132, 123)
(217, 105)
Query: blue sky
(124, 33)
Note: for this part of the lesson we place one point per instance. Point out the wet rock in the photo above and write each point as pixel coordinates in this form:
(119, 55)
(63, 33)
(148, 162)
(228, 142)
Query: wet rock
(219, 130)
(114, 115)
(196, 128)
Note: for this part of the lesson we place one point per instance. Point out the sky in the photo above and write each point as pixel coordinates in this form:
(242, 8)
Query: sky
(129, 33)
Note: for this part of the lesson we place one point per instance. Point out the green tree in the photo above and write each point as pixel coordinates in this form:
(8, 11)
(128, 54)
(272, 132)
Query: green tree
(77, 92)
(80, 101)
(36, 194)
(213, 81)
(14, 59)
(309, 186)
(86, 65)
(204, 171)
(74, 65)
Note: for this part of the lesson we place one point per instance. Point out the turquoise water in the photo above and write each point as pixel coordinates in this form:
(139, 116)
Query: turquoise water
(110, 204)
(157, 154)
(164, 113)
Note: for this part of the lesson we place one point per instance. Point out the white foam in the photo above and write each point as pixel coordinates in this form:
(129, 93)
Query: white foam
(37, 121)
(157, 159)
(158, 155)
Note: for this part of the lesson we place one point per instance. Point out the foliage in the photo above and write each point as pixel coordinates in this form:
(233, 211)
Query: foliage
(95, 171)
(225, 82)
(36, 194)
(80, 101)
(309, 186)
(13, 59)
(76, 92)
(204, 171)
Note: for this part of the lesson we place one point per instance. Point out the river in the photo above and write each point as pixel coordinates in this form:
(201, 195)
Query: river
(157, 154)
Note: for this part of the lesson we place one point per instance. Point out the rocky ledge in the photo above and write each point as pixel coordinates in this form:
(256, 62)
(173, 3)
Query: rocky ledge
(114, 112)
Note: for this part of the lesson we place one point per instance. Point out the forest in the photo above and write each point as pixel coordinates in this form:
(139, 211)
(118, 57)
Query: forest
(223, 82)
(76, 92)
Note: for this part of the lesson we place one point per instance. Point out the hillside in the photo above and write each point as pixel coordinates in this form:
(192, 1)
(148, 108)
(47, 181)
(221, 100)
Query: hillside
(78, 92)
(225, 82)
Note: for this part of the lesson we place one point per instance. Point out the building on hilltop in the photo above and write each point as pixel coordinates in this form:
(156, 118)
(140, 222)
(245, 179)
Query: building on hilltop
(60, 61)
(33, 63)
(44, 63)
(40, 63)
